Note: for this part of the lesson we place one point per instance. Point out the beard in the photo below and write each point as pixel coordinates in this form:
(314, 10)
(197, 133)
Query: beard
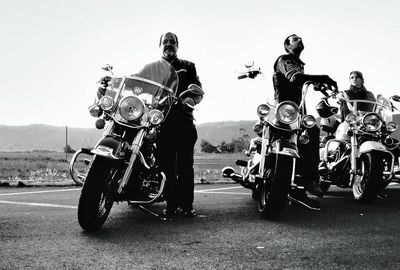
(169, 52)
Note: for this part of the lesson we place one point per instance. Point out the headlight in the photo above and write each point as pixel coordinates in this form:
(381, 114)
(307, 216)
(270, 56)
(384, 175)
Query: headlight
(95, 111)
(391, 126)
(106, 103)
(308, 121)
(156, 117)
(351, 118)
(263, 110)
(131, 108)
(371, 122)
(287, 112)
(258, 128)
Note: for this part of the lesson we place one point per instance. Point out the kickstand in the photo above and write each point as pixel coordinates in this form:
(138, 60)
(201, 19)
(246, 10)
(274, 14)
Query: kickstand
(144, 209)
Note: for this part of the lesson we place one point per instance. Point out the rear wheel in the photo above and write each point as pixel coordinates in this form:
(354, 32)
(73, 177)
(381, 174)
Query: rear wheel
(96, 197)
(275, 187)
(366, 184)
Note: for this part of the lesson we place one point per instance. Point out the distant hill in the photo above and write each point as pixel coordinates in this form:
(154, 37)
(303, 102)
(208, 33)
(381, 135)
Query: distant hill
(52, 138)
(44, 137)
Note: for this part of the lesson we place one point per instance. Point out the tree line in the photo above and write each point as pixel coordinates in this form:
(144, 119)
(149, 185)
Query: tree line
(237, 145)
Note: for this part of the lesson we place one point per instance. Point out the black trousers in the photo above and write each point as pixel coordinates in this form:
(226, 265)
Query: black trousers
(307, 165)
(175, 153)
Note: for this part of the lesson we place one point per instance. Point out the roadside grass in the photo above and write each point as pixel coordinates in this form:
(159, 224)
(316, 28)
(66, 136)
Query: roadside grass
(53, 166)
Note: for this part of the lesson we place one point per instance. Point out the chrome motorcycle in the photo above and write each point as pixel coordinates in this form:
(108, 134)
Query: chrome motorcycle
(124, 163)
(270, 170)
(393, 145)
(357, 157)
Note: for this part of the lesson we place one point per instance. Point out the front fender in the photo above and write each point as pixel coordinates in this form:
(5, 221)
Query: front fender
(284, 148)
(369, 146)
(110, 147)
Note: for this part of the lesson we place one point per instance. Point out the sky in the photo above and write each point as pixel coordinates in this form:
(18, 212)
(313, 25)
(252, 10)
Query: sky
(52, 51)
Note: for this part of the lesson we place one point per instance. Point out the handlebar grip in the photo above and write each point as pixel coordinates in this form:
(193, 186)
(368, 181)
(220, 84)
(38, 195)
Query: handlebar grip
(243, 76)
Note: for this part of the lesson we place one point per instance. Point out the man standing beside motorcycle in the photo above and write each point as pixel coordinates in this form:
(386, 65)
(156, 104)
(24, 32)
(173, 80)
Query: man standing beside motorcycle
(178, 134)
(288, 80)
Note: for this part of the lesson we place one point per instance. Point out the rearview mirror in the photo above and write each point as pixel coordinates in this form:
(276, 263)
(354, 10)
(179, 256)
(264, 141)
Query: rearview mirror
(249, 64)
(108, 67)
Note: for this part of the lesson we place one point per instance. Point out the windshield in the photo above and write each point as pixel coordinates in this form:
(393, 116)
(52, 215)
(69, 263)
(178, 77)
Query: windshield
(155, 84)
(362, 107)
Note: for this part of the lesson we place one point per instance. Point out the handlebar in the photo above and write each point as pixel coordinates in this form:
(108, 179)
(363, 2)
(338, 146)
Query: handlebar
(249, 74)
(243, 76)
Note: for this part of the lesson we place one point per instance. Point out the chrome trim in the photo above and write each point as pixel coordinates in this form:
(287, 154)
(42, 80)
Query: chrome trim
(264, 145)
(107, 153)
(137, 143)
(127, 125)
(71, 169)
(157, 195)
(143, 160)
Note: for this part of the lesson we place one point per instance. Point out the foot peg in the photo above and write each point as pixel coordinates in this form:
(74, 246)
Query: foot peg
(242, 163)
(229, 172)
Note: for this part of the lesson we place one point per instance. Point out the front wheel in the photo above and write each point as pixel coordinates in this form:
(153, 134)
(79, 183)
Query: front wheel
(96, 197)
(366, 183)
(275, 187)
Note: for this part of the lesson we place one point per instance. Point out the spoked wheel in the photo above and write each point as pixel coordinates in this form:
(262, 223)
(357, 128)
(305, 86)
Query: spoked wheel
(96, 197)
(366, 183)
(275, 188)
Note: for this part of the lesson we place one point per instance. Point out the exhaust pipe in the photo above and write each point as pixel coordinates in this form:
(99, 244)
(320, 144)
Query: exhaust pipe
(229, 172)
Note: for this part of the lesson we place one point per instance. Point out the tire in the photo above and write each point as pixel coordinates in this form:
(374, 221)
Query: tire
(275, 188)
(96, 197)
(367, 185)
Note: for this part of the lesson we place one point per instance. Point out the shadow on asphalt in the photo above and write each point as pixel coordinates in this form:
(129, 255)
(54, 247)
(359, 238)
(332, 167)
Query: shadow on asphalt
(127, 223)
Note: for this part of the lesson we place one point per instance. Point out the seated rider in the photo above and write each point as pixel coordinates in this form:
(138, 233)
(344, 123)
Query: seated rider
(357, 91)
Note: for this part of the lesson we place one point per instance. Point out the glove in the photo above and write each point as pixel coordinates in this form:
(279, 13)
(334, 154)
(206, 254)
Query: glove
(189, 102)
(104, 84)
(322, 79)
(331, 83)
(104, 81)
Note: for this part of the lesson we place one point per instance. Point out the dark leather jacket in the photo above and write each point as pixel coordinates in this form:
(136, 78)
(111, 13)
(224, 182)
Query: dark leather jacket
(187, 75)
(286, 87)
(353, 94)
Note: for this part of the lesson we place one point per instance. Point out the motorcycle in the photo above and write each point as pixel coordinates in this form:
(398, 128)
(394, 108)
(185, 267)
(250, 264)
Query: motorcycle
(356, 155)
(124, 165)
(270, 170)
(393, 145)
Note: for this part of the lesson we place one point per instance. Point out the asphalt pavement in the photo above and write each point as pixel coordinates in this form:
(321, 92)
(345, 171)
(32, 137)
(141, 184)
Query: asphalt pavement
(39, 230)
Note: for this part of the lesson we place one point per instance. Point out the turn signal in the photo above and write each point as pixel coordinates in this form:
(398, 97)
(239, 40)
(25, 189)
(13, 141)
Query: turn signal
(304, 138)
(100, 123)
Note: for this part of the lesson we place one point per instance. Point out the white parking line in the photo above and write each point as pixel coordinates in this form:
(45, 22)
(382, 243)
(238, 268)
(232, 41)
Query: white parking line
(216, 191)
(38, 192)
(41, 204)
(221, 192)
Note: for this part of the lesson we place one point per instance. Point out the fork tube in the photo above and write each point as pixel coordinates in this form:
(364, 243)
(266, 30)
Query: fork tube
(137, 143)
(264, 146)
(354, 154)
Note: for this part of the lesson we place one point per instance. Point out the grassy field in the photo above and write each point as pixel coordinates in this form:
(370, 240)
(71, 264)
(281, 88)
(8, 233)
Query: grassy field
(53, 166)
